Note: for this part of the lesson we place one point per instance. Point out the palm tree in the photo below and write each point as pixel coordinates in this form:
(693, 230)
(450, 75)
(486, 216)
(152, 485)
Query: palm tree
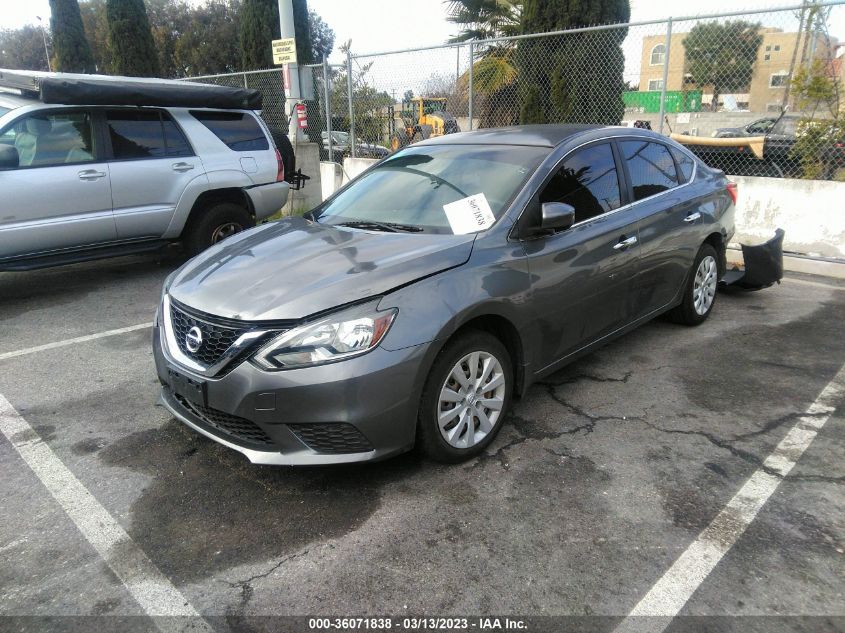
(494, 74)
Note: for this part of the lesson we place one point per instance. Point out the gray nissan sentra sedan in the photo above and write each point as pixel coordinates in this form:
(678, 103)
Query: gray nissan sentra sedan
(414, 304)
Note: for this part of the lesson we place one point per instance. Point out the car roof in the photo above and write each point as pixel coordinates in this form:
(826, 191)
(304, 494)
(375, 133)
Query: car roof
(550, 135)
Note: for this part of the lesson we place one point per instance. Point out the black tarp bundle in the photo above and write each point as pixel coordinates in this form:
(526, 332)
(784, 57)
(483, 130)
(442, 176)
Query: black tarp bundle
(176, 94)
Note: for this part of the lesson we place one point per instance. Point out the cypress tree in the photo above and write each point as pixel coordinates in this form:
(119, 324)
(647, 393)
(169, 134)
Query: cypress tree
(304, 51)
(130, 39)
(259, 27)
(70, 47)
(574, 78)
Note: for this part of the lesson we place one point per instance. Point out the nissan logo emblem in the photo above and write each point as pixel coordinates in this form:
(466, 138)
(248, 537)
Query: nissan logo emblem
(193, 339)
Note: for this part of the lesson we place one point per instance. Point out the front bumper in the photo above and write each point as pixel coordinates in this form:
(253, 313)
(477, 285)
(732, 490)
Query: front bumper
(268, 199)
(360, 409)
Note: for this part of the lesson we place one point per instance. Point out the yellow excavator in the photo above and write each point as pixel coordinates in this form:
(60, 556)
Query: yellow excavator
(419, 119)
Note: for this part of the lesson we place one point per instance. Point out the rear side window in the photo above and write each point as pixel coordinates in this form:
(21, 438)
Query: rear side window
(588, 181)
(145, 134)
(238, 130)
(650, 166)
(685, 164)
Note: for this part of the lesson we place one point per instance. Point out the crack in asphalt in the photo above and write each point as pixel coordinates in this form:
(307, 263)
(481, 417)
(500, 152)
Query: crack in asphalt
(236, 614)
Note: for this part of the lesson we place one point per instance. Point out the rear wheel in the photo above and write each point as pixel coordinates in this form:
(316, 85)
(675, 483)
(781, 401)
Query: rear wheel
(700, 289)
(466, 397)
(399, 139)
(214, 224)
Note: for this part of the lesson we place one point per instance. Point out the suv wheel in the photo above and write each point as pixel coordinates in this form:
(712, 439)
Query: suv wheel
(466, 398)
(214, 224)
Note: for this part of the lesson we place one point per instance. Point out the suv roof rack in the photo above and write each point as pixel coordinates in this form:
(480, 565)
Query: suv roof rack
(77, 89)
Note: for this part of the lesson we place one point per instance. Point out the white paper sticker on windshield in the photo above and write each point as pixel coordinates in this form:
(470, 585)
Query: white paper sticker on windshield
(469, 215)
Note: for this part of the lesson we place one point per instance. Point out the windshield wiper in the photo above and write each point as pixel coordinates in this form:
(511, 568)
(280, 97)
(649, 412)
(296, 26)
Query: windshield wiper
(390, 227)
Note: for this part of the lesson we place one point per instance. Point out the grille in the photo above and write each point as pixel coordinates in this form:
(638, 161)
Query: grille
(240, 429)
(332, 438)
(216, 339)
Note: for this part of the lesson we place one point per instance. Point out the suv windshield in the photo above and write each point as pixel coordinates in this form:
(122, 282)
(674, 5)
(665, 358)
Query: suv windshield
(411, 188)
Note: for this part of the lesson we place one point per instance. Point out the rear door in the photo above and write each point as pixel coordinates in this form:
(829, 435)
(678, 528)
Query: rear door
(151, 165)
(59, 194)
(582, 277)
(669, 220)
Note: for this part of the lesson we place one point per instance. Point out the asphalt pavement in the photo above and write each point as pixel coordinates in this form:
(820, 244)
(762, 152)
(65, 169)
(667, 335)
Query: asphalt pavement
(593, 497)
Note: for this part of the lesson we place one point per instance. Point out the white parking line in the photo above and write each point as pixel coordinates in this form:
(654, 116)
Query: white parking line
(669, 595)
(150, 588)
(72, 341)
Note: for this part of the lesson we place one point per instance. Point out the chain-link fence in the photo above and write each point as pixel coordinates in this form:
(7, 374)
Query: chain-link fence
(752, 93)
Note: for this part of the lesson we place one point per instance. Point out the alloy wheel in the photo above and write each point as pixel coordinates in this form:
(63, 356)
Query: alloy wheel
(704, 287)
(225, 230)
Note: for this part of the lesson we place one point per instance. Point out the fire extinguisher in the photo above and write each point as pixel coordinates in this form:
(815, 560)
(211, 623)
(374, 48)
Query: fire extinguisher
(301, 116)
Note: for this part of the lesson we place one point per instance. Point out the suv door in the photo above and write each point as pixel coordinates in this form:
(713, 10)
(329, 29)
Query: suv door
(669, 221)
(581, 277)
(151, 165)
(59, 195)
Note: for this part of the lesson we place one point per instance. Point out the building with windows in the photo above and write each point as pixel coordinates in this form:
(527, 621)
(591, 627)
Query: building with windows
(767, 88)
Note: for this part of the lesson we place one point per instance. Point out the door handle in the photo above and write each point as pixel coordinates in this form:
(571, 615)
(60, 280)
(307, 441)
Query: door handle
(91, 174)
(182, 166)
(622, 244)
(692, 217)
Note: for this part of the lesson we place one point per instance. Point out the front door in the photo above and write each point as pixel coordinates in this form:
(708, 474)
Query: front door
(582, 276)
(59, 194)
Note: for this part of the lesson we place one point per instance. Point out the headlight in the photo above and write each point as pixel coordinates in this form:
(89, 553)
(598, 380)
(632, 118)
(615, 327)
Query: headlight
(343, 335)
(164, 288)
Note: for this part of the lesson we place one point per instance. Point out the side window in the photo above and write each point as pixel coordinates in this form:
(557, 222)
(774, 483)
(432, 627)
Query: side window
(50, 139)
(144, 134)
(685, 164)
(238, 130)
(651, 167)
(588, 181)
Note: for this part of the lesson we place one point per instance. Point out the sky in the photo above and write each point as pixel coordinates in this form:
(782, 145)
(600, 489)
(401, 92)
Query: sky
(388, 25)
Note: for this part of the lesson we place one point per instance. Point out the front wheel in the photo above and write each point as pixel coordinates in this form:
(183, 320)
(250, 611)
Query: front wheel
(699, 289)
(466, 397)
(214, 224)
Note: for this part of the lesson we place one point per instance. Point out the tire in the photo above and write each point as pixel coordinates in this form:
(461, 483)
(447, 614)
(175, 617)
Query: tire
(285, 148)
(399, 140)
(465, 443)
(703, 277)
(214, 224)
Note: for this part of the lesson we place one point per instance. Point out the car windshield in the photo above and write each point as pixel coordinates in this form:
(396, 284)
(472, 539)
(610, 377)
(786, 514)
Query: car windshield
(786, 127)
(435, 188)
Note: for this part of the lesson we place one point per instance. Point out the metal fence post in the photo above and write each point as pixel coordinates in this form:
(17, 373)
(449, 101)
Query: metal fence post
(351, 109)
(665, 74)
(471, 91)
(328, 108)
(246, 85)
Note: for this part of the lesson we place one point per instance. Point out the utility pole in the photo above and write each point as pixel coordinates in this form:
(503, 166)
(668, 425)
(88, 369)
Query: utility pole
(293, 94)
(44, 37)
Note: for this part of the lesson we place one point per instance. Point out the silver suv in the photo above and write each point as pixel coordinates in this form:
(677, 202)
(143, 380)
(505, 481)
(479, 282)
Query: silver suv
(82, 182)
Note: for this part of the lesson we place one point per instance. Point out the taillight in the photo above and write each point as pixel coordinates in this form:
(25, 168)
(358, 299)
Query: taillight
(732, 191)
(280, 175)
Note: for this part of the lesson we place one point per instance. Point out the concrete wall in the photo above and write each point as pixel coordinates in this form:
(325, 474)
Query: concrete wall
(331, 177)
(354, 166)
(308, 160)
(812, 212)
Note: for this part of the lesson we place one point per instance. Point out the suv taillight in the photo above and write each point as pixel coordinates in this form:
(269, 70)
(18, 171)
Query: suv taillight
(280, 175)
(732, 190)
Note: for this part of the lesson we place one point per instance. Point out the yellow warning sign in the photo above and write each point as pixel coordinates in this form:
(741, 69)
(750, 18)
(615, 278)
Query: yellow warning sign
(284, 51)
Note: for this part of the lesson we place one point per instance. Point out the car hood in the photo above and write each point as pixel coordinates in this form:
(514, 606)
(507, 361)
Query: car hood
(294, 268)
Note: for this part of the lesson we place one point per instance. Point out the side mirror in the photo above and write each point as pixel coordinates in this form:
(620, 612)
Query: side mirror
(9, 158)
(556, 216)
